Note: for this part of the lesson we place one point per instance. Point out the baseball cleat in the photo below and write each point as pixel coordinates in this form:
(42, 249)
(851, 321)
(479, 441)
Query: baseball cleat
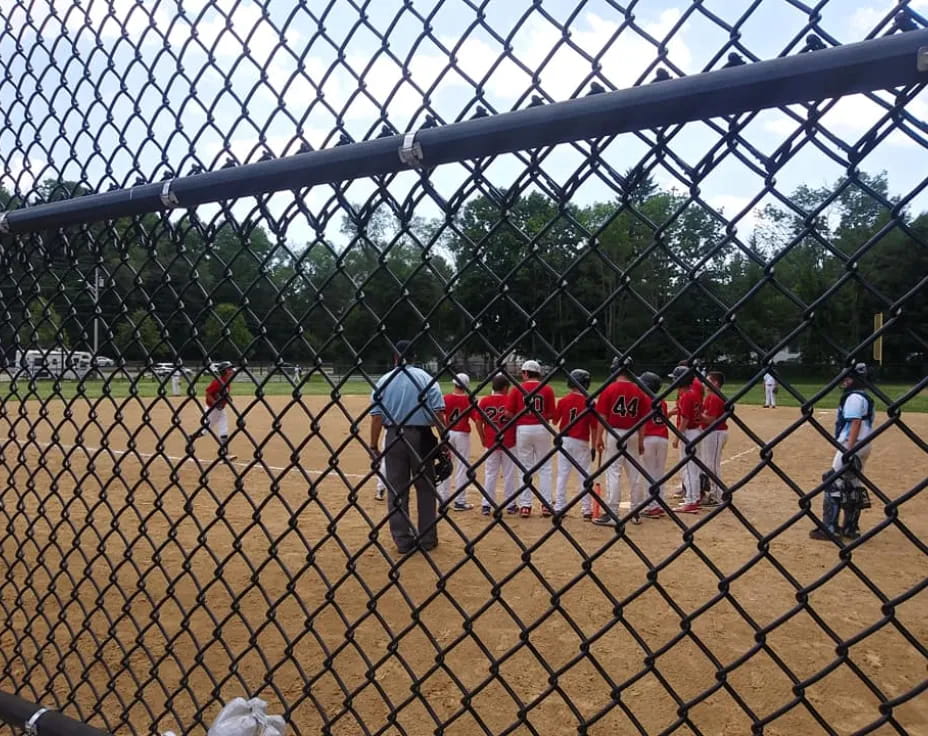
(588, 516)
(546, 511)
(653, 513)
(486, 510)
(380, 494)
(463, 506)
(512, 509)
(604, 521)
(688, 508)
(525, 512)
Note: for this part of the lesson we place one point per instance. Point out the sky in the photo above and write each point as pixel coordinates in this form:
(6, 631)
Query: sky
(106, 91)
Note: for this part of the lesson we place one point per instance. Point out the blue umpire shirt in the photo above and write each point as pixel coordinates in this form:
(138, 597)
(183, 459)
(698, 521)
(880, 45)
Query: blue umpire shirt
(396, 397)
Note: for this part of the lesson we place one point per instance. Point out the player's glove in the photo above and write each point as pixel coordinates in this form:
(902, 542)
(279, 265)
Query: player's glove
(443, 465)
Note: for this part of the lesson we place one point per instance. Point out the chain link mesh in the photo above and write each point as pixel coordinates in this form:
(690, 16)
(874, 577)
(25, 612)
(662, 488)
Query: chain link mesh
(148, 577)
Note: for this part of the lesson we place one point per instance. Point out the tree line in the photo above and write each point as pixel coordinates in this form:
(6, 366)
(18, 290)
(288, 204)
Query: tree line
(654, 271)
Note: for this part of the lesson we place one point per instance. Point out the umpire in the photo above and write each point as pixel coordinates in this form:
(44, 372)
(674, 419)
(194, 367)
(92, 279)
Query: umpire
(406, 402)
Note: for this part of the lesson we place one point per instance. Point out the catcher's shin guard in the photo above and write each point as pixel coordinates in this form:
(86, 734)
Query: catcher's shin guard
(852, 501)
(831, 504)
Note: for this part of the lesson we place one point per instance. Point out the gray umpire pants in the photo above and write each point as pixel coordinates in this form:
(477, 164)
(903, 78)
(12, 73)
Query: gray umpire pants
(404, 451)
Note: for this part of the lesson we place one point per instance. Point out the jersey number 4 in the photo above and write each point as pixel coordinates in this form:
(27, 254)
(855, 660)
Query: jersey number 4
(624, 409)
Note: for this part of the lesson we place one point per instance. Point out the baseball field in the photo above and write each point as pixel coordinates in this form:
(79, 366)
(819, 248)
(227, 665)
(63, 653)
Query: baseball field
(142, 584)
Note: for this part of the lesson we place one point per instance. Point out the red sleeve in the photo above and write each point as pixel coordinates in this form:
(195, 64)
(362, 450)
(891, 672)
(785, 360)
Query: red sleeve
(550, 404)
(512, 401)
(603, 403)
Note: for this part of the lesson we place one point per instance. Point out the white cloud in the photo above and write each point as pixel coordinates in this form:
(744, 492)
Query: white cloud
(731, 205)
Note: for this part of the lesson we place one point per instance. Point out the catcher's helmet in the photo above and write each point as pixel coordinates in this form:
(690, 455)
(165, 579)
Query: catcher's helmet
(579, 377)
(651, 381)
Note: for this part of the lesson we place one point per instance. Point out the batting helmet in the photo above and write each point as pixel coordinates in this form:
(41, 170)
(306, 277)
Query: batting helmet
(651, 381)
(678, 373)
(620, 364)
(222, 366)
(580, 378)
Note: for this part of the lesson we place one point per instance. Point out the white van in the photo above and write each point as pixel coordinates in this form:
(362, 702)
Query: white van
(57, 363)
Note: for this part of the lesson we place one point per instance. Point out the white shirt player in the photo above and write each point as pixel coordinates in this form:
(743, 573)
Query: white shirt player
(769, 380)
(855, 407)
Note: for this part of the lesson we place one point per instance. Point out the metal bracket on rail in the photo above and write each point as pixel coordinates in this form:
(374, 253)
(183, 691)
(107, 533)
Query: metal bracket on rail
(4, 224)
(411, 151)
(923, 59)
(32, 725)
(168, 198)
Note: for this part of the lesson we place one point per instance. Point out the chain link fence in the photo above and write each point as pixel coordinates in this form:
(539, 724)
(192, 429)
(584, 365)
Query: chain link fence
(293, 188)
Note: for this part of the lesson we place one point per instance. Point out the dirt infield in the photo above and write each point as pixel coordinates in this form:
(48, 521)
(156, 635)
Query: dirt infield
(139, 586)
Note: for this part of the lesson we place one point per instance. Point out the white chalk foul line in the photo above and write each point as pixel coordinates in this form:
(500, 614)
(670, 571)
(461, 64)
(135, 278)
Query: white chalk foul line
(256, 465)
(740, 454)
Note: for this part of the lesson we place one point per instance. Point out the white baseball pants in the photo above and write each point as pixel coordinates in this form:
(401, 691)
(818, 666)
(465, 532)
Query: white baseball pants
(533, 442)
(382, 465)
(712, 446)
(615, 464)
(862, 454)
(654, 462)
(577, 451)
(499, 463)
(770, 398)
(460, 456)
(691, 470)
(218, 422)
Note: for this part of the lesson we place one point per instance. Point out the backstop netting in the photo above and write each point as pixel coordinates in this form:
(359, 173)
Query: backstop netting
(731, 188)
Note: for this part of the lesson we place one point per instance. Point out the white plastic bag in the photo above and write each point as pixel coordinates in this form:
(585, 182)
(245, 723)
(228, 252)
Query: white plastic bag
(242, 717)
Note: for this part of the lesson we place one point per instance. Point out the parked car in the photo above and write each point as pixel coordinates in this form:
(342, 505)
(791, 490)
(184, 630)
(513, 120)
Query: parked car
(162, 370)
(101, 361)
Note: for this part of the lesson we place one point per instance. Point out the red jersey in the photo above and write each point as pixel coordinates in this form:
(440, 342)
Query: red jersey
(542, 404)
(714, 405)
(622, 404)
(568, 409)
(656, 426)
(493, 413)
(217, 393)
(459, 409)
(690, 406)
(678, 417)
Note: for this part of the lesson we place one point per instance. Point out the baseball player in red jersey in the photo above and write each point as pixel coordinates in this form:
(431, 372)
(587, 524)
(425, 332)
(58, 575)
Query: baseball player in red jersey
(576, 420)
(654, 458)
(491, 417)
(459, 408)
(713, 409)
(678, 376)
(532, 406)
(689, 410)
(621, 404)
(217, 397)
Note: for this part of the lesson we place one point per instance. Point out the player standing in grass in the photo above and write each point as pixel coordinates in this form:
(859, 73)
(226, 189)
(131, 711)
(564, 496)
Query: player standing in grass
(531, 406)
(713, 409)
(576, 420)
(217, 398)
(459, 408)
(770, 391)
(689, 411)
(654, 457)
(500, 444)
(620, 405)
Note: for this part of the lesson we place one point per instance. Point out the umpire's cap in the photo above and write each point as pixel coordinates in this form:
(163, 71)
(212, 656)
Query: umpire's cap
(404, 349)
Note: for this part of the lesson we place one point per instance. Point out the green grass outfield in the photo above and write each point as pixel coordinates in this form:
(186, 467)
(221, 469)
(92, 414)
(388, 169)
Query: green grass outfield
(147, 388)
